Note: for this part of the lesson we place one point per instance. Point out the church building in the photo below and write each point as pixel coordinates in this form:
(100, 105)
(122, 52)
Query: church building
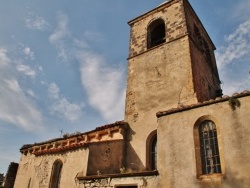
(179, 130)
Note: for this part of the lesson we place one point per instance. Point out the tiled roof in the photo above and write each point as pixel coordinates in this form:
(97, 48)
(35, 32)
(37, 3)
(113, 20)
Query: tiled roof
(200, 104)
(107, 126)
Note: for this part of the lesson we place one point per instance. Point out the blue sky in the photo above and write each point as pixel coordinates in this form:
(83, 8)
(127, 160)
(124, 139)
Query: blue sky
(63, 63)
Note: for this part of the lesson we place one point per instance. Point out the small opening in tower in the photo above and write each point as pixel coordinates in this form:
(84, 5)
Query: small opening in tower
(156, 33)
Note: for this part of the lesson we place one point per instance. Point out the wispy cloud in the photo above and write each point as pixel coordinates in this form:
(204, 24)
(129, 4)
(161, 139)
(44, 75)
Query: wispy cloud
(13, 85)
(36, 22)
(235, 54)
(62, 28)
(53, 91)
(25, 69)
(233, 86)
(93, 36)
(61, 106)
(237, 45)
(59, 37)
(241, 10)
(31, 93)
(16, 107)
(104, 85)
(29, 54)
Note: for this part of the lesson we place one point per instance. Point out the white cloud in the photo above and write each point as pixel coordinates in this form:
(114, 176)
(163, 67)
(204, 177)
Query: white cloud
(69, 111)
(13, 85)
(80, 44)
(93, 36)
(26, 50)
(62, 29)
(36, 23)
(59, 36)
(233, 86)
(104, 86)
(40, 68)
(4, 60)
(16, 107)
(235, 55)
(237, 45)
(31, 93)
(29, 54)
(53, 91)
(25, 69)
(61, 106)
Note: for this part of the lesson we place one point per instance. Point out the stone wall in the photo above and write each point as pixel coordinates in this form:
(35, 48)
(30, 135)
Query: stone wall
(173, 15)
(205, 74)
(158, 78)
(176, 145)
(106, 158)
(11, 175)
(97, 151)
(35, 171)
(111, 182)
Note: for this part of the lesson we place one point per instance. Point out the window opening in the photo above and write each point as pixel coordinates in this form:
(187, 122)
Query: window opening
(207, 51)
(156, 33)
(202, 43)
(209, 148)
(153, 153)
(56, 174)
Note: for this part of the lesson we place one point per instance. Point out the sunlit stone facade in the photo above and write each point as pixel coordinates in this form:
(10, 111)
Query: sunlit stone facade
(178, 130)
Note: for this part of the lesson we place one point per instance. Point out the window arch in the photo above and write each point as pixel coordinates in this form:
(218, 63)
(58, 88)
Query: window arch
(56, 174)
(156, 33)
(152, 151)
(207, 147)
(202, 43)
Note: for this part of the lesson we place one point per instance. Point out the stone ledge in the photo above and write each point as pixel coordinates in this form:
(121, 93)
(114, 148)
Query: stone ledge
(136, 174)
(205, 103)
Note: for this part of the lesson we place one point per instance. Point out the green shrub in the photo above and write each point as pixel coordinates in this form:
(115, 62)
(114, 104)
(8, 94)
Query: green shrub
(233, 103)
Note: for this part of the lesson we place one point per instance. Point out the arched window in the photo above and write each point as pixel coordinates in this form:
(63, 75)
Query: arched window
(152, 151)
(156, 33)
(209, 148)
(56, 174)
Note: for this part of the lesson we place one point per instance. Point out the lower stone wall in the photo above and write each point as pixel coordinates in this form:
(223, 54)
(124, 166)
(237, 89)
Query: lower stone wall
(35, 171)
(140, 182)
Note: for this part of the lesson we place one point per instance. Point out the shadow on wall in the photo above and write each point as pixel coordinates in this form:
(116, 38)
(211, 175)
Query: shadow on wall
(11, 175)
(133, 162)
(240, 138)
(106, 157)
(233, 182)
(240, 141)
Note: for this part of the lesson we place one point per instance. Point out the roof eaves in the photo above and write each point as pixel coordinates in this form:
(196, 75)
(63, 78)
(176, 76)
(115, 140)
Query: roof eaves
(205, 103)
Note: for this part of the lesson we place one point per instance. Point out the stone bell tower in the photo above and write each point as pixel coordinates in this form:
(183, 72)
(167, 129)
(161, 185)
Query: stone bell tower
(171, 63)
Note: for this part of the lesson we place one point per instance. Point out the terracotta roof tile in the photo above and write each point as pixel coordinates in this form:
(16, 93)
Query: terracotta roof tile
(117, 123)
